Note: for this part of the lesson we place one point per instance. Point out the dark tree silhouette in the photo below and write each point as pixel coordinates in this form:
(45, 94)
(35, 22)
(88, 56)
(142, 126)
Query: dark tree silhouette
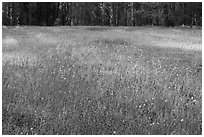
(102, 13)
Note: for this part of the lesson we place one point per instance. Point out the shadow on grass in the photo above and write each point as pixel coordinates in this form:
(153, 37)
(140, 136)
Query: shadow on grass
(97, 28)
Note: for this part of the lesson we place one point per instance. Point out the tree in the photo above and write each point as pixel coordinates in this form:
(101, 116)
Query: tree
(102, 13)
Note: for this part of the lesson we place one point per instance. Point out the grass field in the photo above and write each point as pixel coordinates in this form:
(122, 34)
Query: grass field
(101, 80)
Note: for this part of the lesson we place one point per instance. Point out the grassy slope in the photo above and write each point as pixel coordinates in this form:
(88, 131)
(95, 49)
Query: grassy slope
(86, 80)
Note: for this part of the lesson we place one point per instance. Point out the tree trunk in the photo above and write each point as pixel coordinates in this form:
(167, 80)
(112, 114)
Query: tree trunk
(29, 14)
(5, 13)
(111, 14)
(132, 13)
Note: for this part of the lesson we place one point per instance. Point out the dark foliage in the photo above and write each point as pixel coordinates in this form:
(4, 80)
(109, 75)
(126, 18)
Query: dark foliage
(103, 13)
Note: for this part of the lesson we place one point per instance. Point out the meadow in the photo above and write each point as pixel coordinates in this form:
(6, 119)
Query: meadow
(101, 80)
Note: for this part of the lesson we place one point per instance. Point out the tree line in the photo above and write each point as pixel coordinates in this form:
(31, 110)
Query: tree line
(102, 13)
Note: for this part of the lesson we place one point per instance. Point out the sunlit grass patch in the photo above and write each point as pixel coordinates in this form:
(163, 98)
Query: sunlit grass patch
(9, 43)
(19, 58)
(45, 38)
